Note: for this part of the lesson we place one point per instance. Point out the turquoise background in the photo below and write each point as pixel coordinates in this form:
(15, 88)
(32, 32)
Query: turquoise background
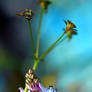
(71, 60)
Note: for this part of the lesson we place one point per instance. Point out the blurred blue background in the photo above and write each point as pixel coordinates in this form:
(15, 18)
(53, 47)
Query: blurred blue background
(69, 64)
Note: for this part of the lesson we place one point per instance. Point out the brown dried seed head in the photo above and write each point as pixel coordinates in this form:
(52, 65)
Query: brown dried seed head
(31, 76)
(26, 13)
(35, 80)
(30, 71)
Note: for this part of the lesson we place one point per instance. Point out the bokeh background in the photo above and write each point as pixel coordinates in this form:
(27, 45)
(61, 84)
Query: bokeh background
(68, 67)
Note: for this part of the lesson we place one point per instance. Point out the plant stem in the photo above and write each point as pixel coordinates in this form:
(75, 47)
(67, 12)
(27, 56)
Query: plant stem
(51, 47)
(25, 90)
(31, 35)
(36, 62)
(38, 37)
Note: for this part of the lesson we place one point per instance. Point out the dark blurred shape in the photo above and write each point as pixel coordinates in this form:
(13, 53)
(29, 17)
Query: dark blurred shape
(14, 80)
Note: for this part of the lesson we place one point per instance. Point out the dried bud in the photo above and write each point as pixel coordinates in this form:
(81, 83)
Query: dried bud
(44, 4)
(35, 80)
(26, 13)
(32, 81)
(70, 29)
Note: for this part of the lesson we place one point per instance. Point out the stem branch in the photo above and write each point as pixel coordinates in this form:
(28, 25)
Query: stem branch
(36, 61)
(39, 29)
(31, 35)
(51, 47)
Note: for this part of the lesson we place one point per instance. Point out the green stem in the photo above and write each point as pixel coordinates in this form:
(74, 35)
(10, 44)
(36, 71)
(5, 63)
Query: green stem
(25, 90)
(36, 62)
(31, 35)
(51, 47)
(38, 37)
